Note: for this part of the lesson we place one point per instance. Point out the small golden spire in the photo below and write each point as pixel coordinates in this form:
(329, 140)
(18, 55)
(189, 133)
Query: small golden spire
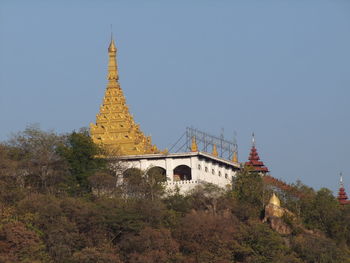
(112, 63)
(235, 157)
(194, 147)
(215, 151)
(112, 47)
(274, 200)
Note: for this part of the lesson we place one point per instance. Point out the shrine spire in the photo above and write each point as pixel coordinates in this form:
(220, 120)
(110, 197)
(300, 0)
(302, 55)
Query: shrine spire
(254, 159)
(112, 62)
(342, 196)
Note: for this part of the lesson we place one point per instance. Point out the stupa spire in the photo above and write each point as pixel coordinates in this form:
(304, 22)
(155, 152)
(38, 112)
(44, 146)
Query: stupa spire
(253, 139)
(254, 159)
(115, 128)
(112, 62)
(342, 196)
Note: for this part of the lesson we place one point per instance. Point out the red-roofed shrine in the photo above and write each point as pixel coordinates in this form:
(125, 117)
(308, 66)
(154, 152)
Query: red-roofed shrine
(254, 160)
(342, 196)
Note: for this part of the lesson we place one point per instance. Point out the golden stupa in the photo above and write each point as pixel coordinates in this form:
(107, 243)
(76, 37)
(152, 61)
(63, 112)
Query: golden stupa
(274, 200)
(273, 208)
(115, 128)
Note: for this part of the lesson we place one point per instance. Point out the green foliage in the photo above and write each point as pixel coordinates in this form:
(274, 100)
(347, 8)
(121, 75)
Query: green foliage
(248, 187)
(267, 246)
(319, 249)
(176, 202)
(322, 211)
(83, 157)
(143, 184)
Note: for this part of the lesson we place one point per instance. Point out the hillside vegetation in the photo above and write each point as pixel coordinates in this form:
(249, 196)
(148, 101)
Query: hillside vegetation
(59, 203)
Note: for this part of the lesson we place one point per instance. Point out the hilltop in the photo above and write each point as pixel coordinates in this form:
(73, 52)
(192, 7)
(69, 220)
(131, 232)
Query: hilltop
(60, 202)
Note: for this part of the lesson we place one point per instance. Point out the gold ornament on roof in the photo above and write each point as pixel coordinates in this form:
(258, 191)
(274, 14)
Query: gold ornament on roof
(215, 151)
(235, 157)
(194, 147)
(115, 128)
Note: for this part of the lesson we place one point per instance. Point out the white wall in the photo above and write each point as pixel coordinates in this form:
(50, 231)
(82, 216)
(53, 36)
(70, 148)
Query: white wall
(202, 169)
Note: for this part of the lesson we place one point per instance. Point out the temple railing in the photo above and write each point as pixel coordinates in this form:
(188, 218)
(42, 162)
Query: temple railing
(182, 182)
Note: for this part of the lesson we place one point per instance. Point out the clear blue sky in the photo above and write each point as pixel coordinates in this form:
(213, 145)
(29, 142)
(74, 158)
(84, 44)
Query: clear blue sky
(278, 68)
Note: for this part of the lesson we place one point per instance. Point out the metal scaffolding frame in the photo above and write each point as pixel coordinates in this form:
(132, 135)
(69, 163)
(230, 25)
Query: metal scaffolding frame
(206, 142)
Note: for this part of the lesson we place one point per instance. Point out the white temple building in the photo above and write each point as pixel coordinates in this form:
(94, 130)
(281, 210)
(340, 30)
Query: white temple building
(186, 170)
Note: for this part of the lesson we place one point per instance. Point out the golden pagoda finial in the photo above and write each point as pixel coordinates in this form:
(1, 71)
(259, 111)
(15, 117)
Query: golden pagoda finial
(215, 151)
(194, 147)
(112, 63)
(235, 157)
(274, 200)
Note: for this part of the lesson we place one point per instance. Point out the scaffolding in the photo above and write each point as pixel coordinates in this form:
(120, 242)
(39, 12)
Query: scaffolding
(206, 143)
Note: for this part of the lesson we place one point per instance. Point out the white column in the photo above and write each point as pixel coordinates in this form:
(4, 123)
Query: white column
(169, 169)
(144, 164)
(194, 168)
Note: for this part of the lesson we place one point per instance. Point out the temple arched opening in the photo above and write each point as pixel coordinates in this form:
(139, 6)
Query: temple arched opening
(157, 172)
(182, 173)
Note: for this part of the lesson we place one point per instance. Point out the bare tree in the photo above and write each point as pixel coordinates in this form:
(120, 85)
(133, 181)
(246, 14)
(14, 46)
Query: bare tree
(39, 165)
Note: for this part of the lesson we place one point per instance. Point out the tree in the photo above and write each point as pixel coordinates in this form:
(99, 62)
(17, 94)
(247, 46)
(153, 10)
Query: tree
(103, 183)
(266, 245)
(154, 181)
(323, 212)
(205, 237)
(19, 244)
(38, 164)
(11, 181)
(311, 248)
(177, 202)
(84, 158)
(44, 214)
(143, 184)
(96, 254)
(248, 189)
(207, 197)
(151, 245)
